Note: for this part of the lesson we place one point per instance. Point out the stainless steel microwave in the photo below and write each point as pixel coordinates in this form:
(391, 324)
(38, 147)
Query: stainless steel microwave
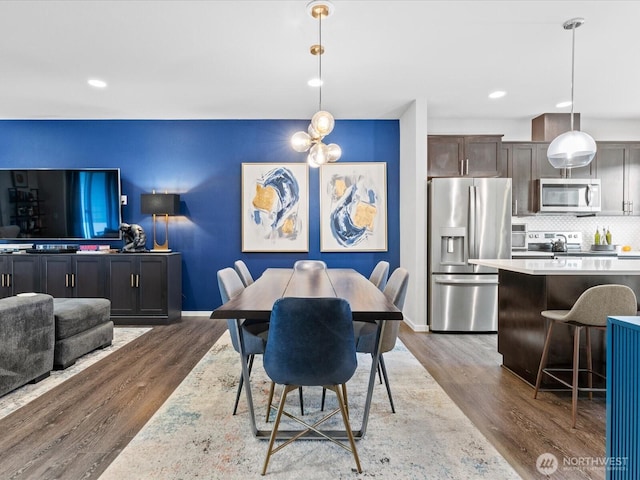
(569, 195)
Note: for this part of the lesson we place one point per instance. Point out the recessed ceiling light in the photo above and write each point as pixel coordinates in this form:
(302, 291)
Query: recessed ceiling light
(97, 83)
(315, 82)
(563, 104)
(497, 94)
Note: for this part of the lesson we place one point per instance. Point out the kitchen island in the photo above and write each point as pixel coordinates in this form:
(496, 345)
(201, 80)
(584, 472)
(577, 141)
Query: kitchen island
(529, 286)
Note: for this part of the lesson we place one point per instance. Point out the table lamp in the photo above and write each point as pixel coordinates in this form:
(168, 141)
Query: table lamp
(160, 204)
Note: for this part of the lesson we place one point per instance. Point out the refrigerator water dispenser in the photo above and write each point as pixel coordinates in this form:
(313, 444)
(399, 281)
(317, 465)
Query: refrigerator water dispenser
(452, 245)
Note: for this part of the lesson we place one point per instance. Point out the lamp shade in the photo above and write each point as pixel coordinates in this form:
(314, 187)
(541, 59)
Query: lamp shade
(571, 149)
(160, 203)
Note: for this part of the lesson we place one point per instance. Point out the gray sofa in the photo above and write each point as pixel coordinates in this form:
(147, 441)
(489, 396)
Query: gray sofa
(27, 332)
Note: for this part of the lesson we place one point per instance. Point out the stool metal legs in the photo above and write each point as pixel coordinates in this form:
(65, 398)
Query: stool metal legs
(575, 370)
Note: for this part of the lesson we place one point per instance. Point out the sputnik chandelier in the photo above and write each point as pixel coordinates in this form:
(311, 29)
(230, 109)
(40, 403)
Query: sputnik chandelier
(322, 122)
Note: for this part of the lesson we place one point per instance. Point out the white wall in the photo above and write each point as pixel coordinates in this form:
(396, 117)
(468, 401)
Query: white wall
(413, 211)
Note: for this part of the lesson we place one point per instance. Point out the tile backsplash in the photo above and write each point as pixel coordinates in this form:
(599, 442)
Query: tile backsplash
(624, 230)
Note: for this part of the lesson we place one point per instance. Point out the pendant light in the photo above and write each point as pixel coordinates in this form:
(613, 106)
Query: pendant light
(574, 148)
(322, 122)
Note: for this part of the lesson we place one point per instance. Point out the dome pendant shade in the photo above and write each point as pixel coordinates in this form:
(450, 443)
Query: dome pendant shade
(574, 148)
(571, 149)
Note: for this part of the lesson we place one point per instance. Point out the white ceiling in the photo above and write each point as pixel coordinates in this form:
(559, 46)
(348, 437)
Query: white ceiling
(250, 59)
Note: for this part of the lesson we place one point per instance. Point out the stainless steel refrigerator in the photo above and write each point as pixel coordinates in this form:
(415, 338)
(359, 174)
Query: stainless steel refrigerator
(468, 218)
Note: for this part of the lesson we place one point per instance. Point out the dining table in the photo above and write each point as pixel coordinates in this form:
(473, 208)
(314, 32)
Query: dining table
(255, 302)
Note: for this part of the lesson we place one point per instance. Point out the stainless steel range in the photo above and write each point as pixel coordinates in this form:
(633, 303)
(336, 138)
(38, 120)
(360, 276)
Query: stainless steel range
(550, 244)
(554, 242)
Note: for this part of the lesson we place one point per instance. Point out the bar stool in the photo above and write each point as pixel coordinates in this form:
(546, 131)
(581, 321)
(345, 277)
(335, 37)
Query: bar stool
(590, 311)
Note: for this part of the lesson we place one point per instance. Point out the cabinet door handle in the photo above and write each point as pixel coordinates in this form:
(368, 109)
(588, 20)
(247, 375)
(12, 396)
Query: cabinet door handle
(461, 167)
(133, 282)
(2, 278)
(630, 208)
(73, 280)
(9, 275)
(466, 170)
(137, 281)
(66, 280)
(516, 211)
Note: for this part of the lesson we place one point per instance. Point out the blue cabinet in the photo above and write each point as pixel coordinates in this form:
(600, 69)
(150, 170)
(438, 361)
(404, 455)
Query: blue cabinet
(623, 398)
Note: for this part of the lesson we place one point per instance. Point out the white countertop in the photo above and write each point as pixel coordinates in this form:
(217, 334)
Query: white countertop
(565, 266)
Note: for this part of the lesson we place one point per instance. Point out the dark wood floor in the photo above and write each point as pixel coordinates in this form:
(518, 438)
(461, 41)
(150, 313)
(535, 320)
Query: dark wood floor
(502, 407)
(78, 428)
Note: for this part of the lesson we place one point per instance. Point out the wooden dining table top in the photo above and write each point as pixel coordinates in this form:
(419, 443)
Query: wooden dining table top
(367, 302)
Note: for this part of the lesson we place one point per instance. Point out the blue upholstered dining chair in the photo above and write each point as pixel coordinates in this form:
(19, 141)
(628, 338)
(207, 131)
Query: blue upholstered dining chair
(379, 274)
(311, 343)
(309, 265)
(243, 272)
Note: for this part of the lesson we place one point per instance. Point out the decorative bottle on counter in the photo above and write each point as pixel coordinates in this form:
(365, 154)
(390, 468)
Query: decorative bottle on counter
(596, 239)
(608, 236)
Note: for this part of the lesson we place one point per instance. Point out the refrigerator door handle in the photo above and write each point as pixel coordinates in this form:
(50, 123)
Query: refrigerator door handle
(458, 281)
(472, 222)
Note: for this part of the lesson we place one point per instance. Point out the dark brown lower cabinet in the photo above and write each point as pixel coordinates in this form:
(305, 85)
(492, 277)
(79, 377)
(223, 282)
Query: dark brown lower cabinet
(144, 288)
(68, 276)
(19, 273)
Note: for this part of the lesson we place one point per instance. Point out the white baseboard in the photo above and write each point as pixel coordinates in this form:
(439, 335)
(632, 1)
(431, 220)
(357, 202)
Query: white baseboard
(186, 313)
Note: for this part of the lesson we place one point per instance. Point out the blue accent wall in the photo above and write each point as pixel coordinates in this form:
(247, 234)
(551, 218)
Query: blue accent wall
(201, 160)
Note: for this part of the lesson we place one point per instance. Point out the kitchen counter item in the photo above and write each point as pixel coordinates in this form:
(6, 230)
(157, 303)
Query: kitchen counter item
(565, 266)
(603, 248)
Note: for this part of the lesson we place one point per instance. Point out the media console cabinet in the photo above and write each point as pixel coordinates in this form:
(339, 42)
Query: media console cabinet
(144, 288)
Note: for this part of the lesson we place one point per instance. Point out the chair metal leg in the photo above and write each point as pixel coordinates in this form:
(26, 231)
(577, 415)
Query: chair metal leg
(270, 400)
(301, 402)
(543, 360)
(240, 383)
(576, 368)
(342, 402)
(379, 370)
(272, 388)
(324, 394)
(587, 334)
(276, 423)
(340, 391)
(386, 382)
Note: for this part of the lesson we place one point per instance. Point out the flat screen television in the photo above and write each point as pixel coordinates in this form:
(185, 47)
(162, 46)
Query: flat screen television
(60, 204)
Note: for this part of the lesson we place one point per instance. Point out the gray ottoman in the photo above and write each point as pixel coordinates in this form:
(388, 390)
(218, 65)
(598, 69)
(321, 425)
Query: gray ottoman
(82, 325)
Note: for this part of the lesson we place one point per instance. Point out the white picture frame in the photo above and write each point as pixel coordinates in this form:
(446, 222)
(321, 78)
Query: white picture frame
(275, 207)
(353, 207)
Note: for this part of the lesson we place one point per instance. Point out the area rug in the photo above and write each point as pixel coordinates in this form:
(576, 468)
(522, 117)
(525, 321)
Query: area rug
(25, 394)
(194, 436)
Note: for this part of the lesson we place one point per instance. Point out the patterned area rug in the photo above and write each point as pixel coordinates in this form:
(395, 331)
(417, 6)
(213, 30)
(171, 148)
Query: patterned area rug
(194, 436)
(23, 395)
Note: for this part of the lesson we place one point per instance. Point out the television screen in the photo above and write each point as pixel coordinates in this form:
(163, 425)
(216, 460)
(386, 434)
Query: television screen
(60, 204)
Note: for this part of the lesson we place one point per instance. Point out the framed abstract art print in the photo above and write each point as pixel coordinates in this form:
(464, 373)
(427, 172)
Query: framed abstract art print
(275, 207)
(353, 207)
